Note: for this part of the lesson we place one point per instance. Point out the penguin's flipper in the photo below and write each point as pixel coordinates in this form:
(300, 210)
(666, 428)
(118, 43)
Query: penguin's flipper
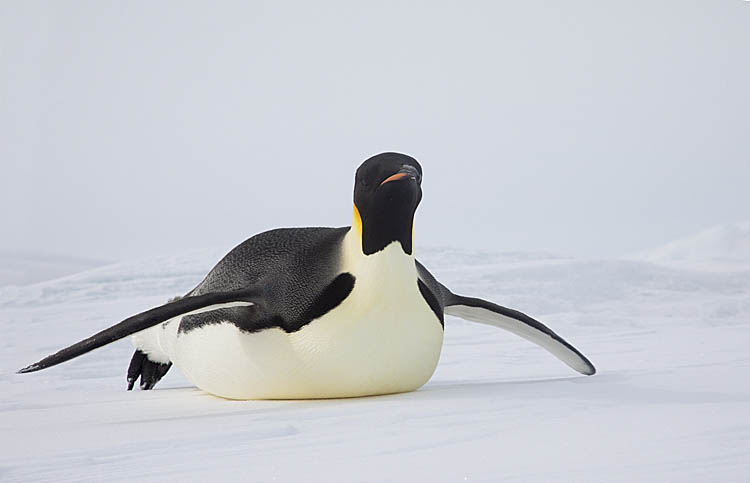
(186, 305)
(484, 312)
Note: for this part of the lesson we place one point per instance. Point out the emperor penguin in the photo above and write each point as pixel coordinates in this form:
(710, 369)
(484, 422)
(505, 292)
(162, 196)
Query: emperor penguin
(302, 313)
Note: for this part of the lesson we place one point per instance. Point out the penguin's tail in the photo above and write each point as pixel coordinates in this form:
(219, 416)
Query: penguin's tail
(184, 306)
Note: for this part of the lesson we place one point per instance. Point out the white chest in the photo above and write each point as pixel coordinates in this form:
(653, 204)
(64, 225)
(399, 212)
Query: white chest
(383, 338)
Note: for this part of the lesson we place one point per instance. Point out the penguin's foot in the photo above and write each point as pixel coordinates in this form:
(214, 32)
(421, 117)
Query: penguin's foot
(150, 372)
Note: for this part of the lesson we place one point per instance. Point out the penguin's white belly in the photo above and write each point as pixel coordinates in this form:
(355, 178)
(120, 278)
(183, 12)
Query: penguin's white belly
(368, 345)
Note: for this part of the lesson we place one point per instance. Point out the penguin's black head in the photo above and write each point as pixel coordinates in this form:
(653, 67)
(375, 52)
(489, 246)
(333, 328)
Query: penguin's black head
(387, 190)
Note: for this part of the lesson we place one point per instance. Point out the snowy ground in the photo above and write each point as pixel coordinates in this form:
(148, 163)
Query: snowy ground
(671, 401)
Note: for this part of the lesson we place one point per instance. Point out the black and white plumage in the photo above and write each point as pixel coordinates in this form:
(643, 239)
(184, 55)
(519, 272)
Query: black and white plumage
(317, 312)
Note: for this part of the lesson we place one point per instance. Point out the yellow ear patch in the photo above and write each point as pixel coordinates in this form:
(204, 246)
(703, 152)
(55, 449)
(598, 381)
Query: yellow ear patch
(357, 222)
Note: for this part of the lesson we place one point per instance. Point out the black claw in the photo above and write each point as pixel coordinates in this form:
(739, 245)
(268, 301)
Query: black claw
(134, 369)
(150, 372)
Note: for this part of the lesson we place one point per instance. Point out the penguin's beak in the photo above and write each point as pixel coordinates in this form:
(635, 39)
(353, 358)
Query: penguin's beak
(406, 172)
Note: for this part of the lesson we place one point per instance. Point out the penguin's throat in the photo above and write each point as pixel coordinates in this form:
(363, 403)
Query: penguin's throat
(379, 230)
(385, 269)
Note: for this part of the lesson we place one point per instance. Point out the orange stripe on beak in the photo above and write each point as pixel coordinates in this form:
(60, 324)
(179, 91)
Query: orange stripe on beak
(393, 178)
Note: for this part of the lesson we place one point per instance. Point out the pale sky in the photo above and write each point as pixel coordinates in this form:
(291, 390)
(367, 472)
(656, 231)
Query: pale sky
(130, 129)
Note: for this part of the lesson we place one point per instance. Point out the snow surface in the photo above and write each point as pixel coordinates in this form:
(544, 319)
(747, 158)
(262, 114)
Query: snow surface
(671, 401)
